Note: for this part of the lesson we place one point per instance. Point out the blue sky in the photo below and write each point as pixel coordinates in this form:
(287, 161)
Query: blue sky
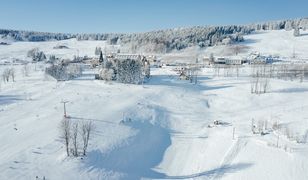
(140, 15)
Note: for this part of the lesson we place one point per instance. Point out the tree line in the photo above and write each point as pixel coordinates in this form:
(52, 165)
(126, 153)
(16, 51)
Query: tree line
(169, 39)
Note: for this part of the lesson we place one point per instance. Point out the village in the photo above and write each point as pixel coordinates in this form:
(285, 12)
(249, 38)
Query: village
(135, 68)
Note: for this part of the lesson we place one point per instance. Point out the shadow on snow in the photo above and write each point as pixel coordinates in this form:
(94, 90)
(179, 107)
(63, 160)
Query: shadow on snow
(211, 173)
(174, 81)
(137, 157)
(291, 90)
(9, 99)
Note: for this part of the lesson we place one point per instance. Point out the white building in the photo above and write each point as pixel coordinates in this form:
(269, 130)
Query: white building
(220, 60)
(234, 61)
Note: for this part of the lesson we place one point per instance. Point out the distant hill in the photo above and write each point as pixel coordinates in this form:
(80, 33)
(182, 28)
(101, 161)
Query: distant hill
(166, 40)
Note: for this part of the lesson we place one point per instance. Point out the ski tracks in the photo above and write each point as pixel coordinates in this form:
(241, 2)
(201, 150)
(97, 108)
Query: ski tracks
(230, 156)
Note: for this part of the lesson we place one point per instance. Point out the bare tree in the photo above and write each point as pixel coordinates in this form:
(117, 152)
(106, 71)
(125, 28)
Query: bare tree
(253, 126)
(260, 79)
(75, 139)
(217, 68)
(12, 74)
(25, 70)
(65, 130)
(237, 68)
(260, 126)
(6, 75)
(86, 130)
(236, 49)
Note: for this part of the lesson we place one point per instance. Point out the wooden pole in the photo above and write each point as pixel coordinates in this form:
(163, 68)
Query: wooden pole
(64, 107)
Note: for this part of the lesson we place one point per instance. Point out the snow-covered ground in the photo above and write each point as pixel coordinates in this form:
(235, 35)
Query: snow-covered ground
(275, 43)
(18, 50)
(279, 42)
(168, 137)
(168, 134)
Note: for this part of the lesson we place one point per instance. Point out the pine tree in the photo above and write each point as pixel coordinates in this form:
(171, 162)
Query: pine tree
(101, 58)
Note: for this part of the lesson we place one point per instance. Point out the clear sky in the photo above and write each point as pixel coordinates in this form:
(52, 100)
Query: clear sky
(87, 16)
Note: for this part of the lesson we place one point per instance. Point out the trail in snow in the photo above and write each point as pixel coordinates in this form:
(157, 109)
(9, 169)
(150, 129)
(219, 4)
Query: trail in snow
(230, 156)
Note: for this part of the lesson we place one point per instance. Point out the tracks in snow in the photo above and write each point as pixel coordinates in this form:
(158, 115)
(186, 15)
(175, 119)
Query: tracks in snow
(230, 156)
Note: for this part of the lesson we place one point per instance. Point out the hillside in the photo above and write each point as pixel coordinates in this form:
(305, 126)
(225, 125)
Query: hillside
(166, 40)
(168, 134)
(275, 42)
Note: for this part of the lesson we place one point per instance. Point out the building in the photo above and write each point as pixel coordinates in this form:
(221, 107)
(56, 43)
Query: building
(259, 60)
(220, 60)
(233, 61)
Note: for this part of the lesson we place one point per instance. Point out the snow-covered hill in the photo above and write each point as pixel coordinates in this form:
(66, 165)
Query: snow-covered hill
(276, 43)
(168, 131)
(168, 135)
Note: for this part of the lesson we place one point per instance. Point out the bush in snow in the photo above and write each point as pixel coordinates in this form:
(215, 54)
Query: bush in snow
(64, 71)
(57, 71)
(106, 74)
(36, 55)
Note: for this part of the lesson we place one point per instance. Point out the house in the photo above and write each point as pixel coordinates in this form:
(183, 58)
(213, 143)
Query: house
(94, 62)
(259, 60)
(220, 60)
(233, 61)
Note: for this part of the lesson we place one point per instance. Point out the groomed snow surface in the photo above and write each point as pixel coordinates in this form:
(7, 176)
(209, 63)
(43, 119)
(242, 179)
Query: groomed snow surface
(168, 135)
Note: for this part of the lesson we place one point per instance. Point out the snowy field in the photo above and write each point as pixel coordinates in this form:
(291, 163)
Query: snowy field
(168, 136)
(18, 50)
(168, 131)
